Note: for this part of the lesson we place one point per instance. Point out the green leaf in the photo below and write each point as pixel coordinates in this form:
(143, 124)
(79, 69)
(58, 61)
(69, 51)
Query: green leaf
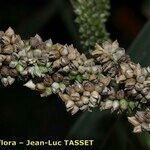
(140, 49)
(108, 131)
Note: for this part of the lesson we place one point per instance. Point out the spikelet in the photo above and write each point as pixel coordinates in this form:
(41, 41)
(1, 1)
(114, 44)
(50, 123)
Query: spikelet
(107, 79)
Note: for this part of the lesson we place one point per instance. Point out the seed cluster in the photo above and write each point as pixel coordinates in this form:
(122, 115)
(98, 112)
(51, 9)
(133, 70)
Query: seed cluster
(107, 79)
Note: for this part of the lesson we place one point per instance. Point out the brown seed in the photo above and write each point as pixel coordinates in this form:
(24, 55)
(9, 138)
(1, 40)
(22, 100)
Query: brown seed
(79, 103)
(99, 87)
(54, 54)
(133, 120)
(138, 86)
(78, 87)
(48, 80)
(13, 72)
(63, 50)
(66, 81)
(85, 99)
(6, 40)
(105, 80)
(64, 61)
(56, 64)
(64, 97)
(2, 57)
(140, 79)
(35, 41)
(15, 39)
(37, 53)
(88, 86)
(8, 59)
(75, 96)
(70, 90)
(71, 56)
(40, 86)
(86, 93)
(4, 71)
(74, 110)
(8, 49)
(130, 82)
(120, 94)
(57, 77)
(92, 77)
(129, 73)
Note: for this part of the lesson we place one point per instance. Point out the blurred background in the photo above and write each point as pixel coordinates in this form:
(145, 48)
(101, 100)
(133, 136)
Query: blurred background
(24, 115)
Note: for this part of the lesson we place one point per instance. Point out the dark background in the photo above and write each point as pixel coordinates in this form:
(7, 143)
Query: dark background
(23, 114)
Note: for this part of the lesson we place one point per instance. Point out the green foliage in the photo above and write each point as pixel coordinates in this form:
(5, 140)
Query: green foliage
(108, 132)
(91, 18)
(139, 50)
